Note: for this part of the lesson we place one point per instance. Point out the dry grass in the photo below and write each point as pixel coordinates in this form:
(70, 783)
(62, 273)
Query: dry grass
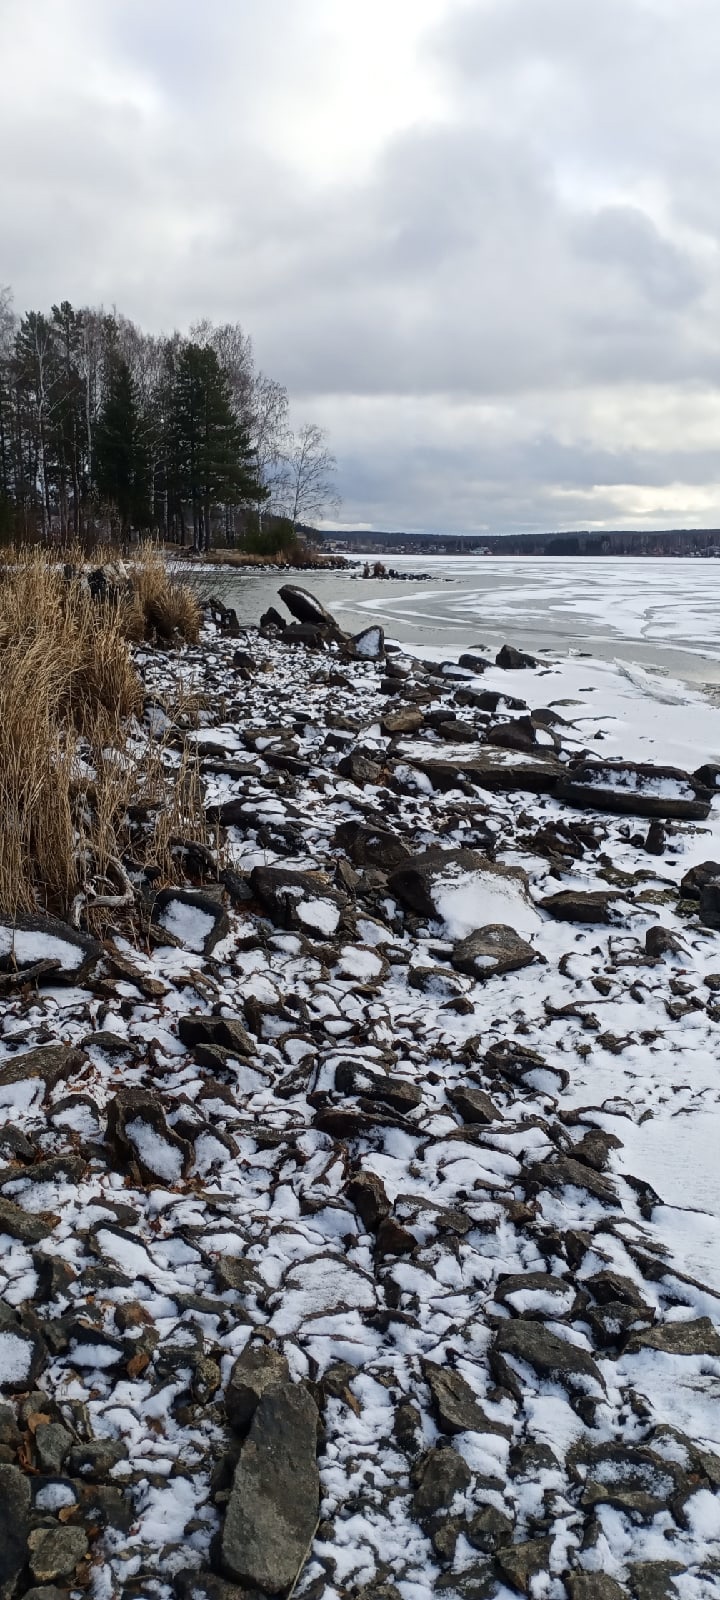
(74, 767)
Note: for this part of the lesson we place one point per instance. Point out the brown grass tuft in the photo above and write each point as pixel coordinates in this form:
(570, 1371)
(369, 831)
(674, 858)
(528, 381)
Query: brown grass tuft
(73, 767)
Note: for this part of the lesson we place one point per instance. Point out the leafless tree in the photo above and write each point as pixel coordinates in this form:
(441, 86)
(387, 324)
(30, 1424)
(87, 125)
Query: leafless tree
(307, 488)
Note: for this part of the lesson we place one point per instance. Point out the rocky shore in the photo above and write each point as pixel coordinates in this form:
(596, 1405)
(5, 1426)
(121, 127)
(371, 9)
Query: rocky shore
(324, 1270)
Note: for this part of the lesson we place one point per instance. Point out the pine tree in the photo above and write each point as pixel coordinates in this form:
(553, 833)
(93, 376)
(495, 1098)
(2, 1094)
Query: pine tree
(120, 459)
(214, 463)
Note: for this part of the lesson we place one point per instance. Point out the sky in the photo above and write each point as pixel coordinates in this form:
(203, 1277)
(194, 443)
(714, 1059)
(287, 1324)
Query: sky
(479, 240)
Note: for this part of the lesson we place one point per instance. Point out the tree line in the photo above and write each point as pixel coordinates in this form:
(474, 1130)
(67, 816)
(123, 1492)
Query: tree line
(107, 429)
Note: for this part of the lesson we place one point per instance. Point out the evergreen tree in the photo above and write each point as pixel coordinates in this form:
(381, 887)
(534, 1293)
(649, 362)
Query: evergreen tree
(120, 459)
(213, 460)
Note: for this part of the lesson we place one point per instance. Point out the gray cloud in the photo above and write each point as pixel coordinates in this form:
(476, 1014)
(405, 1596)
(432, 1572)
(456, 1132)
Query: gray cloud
(476, 309)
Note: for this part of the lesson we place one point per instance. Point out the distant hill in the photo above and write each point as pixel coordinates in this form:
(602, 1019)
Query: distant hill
(625, 542)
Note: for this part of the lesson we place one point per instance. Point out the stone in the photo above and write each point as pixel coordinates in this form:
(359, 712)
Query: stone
(50, 1062)
(499, 771)
(228, 1032)
(272, 618)
(653, 1580)
(366, 1192)
(192, 1585)
(438, 1476)
(635, 789)
(306, 608)
(56, 1552)
(426, 880)
(576, 905)
(544, 1351)
(696, 1338)
(23, 1352)
(95, 1459)
(372, 847)
(655, 839)
(489, 1530)
(562, 1170)
(138, 1134)
(454, 1404)
(14, 1526)
(520, 1563)
(518, 734)
(259, 1369)
(273, 1508)
(173, 910)
(709, 908)
(492, 951)
(407, 719)
(608, 1287)
(29, 1229)
(660, 942)
(75, 955)
(52, 1443)
(473, 662)
(306, 902)
(360, 769)
(474, 1106)
(369, 644)
(514, 660)
(593, 1586)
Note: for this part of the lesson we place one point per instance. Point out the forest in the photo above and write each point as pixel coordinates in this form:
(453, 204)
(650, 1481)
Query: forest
(107, 432)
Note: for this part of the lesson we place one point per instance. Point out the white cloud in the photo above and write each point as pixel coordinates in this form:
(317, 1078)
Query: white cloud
(478, 238)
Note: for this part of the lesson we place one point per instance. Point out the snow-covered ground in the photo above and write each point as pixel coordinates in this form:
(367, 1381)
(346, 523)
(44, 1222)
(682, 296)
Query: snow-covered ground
(475, 1208)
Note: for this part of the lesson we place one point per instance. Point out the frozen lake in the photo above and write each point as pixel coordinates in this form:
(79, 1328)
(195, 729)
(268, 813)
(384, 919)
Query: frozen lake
(660, 613)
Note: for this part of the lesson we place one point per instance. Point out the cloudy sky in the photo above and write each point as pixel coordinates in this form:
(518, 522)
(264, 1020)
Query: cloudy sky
(477, 239)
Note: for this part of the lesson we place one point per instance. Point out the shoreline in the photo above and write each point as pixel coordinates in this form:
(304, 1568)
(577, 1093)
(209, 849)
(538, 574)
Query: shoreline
(365, 1135)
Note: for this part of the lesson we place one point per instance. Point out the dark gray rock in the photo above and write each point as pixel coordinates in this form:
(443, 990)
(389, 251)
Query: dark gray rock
(562, 1170)
(191, 1585)
(306, 608)
(473, 662)
(369, 644)
(437, 1477)
(76, 954)
(577, 905)
(289, 898)
(593, 1586)
(500, 771)
(21, 1225)
(366, 1192)
(228, 1032)
(139, 1135)
(474, 1105)
(14, 1527)
(52, 1443)
(492, 951)
(192, 900)
(259, 1369)
(273, 1508)
(95, 1459)
(372, 847)
(489, 1530)
(544, 1351)
(697, 1338)
(520, 1563)
(635, 789)
(417, 883)
(518, 734)
(407, 719)
(455, 1406)
(50, 1062)
(514, 660)
(653, 1580)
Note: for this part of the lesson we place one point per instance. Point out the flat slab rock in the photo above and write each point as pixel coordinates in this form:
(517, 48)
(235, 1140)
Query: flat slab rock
(580, 905)
(548, 1354)
(456, 884)
(196, 919)
(635, 789)
(273, 1508)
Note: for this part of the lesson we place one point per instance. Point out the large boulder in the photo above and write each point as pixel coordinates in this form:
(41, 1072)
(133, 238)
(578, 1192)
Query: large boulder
(465, 890)
(306, 608)
(273, 1508)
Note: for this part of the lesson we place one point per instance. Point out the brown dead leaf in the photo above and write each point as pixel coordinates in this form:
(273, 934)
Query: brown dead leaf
(34, 1420)
(137, 1364)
